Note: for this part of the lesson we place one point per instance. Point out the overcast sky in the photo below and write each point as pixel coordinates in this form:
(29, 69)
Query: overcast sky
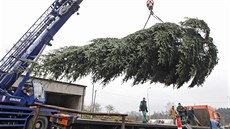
(118, 18)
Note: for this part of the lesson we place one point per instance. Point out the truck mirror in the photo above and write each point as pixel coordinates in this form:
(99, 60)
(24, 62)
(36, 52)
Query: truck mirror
(217, 115)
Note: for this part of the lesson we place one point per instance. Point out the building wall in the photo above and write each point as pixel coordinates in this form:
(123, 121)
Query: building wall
(61, 94)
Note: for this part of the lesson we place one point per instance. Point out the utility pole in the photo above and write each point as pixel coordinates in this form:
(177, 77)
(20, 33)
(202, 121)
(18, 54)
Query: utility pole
(148, 101)
(91, 108)
(94, 101)
(228, 100)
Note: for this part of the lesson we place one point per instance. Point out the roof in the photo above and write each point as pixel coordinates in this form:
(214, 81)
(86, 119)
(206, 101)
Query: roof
(74, 84)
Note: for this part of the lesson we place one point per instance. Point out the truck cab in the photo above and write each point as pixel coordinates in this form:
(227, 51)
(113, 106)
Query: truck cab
(34, 92)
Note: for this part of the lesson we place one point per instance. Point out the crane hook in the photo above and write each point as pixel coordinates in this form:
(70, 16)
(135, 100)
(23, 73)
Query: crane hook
(150, 4)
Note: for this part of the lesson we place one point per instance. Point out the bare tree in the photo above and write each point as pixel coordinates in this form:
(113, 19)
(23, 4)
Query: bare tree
(87, 108)
(134, 115)
(169, 106)
(97, 107)
(109, 108)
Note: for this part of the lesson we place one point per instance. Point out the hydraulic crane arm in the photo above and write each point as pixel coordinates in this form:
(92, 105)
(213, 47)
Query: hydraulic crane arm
(33, 42)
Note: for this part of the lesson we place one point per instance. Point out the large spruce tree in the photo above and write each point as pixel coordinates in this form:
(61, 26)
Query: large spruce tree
(167, 53)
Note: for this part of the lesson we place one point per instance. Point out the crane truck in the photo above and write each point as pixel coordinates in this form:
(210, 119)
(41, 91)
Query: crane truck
(15, 104)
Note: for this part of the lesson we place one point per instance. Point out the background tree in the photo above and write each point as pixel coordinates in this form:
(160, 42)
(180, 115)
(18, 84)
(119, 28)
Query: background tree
(165, 53)
(87, 108)
(109, 108)
(134, 115)
(225, 115)
(159, 115)
(96, 107)
(169, 106)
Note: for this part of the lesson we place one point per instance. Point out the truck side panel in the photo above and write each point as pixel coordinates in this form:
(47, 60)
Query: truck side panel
(203, 116)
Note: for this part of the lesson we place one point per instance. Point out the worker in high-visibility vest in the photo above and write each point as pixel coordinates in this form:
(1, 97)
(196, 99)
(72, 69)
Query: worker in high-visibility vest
(150, 4)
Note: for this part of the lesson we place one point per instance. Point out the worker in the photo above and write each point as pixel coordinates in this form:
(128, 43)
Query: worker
(143, 108)
(182, 113)
(150, 4)
(173, 114)
(28, 90)
(191, 116)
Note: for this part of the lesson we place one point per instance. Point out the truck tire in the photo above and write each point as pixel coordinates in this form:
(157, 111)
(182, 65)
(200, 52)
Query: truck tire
(42, 123)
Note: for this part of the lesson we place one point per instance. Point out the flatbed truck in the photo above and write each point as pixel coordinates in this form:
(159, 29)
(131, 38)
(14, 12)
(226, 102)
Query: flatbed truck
(65, 121)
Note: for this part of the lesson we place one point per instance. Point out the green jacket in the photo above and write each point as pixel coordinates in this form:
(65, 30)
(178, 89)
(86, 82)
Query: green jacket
(143, 106)
(181, 110)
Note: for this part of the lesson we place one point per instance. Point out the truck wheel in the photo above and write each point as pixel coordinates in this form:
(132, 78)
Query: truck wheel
(42, 123)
